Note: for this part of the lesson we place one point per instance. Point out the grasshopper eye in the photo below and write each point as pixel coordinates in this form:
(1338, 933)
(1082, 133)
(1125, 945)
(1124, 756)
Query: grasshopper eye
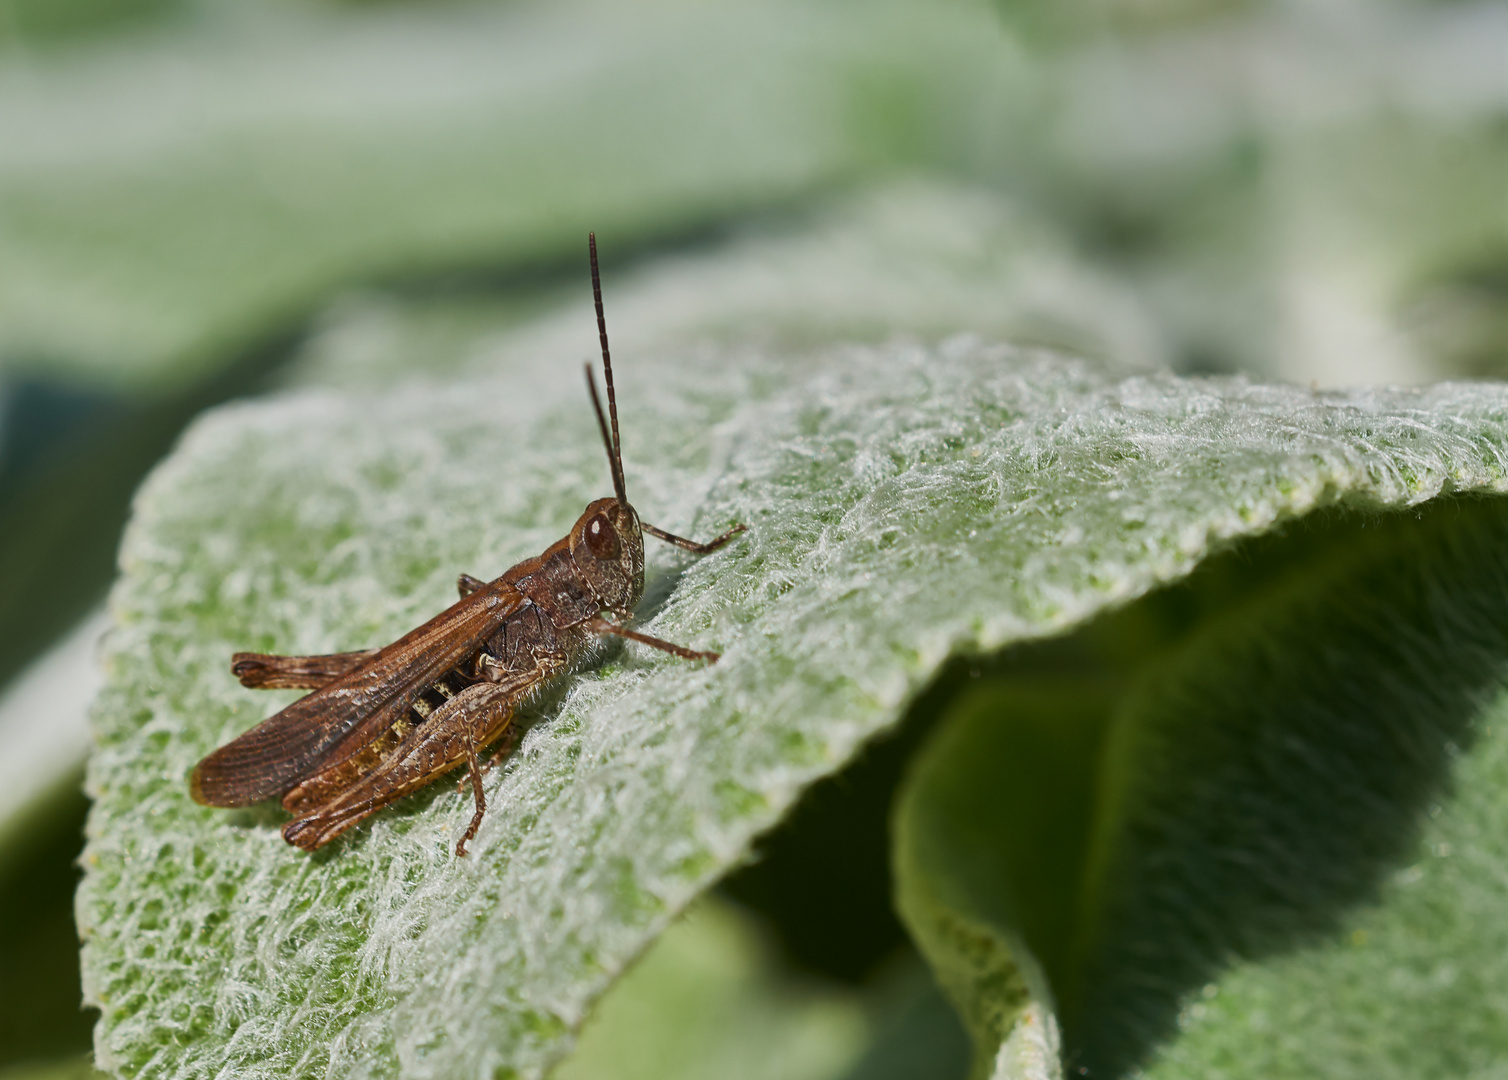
(601, 538)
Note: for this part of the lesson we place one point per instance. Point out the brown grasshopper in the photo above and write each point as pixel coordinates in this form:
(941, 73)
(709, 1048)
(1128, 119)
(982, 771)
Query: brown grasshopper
(381, 723)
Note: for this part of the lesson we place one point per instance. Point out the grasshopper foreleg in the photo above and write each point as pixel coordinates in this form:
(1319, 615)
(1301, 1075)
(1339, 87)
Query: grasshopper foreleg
(692, 545)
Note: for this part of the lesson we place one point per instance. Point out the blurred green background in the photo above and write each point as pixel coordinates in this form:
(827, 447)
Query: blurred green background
(201, 200)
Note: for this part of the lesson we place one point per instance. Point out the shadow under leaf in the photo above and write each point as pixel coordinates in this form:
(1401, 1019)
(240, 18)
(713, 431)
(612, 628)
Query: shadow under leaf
(1220, 771)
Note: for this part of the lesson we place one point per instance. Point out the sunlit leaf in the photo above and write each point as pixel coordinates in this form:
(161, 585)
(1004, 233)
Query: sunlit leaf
(1235, 769)
(905, 504)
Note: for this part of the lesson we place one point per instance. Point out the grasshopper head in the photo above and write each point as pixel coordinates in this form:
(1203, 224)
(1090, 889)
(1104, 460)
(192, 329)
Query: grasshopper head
(607, 545)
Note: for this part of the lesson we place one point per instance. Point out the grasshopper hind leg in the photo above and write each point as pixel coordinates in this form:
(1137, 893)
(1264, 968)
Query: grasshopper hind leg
(466, 585)
(329, 803)
(266, 671)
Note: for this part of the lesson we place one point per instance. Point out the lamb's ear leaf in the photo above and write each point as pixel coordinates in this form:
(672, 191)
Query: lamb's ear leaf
(1231, 771)
(990, 832)
(905, 504)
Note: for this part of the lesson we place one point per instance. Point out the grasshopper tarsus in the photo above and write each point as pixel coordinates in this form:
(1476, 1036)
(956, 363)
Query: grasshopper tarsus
(692, 545)
(384, 722)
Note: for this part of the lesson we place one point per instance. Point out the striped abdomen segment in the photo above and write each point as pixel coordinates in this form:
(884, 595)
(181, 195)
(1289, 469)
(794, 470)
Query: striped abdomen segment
(319, 788)
(518, 645)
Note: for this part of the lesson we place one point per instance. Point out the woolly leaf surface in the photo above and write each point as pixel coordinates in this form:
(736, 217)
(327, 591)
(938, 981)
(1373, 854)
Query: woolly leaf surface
(904, 504)
(1234, 769)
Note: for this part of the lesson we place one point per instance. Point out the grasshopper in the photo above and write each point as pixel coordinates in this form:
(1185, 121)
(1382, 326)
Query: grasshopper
(381, 723)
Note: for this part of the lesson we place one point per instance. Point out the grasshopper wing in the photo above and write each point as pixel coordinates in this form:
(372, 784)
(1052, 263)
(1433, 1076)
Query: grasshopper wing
(338, 719)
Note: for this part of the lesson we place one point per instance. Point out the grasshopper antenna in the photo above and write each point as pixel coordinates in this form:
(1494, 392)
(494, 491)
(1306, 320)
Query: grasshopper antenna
(614, 449)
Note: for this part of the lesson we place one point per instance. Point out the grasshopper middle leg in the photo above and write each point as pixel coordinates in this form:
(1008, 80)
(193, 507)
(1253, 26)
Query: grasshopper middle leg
(600, 625)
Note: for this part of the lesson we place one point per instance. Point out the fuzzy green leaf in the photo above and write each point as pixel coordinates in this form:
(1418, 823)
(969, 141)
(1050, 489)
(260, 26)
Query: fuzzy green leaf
(904, 504)
(1412, 984)
(1225, 769)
